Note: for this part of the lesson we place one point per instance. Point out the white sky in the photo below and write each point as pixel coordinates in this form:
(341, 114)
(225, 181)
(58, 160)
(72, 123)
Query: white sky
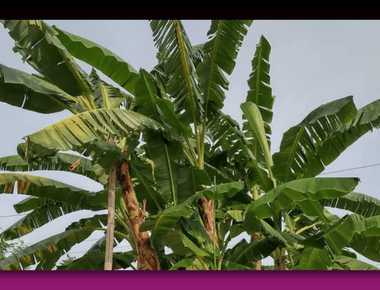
(312, 62)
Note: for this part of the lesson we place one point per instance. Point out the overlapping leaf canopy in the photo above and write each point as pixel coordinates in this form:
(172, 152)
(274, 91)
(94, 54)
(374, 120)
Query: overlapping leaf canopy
(182, 147)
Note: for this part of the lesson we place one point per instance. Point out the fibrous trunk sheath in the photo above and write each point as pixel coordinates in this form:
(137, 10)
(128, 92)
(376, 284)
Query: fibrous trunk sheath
(208, 216)
(146, 257)
(256, 265)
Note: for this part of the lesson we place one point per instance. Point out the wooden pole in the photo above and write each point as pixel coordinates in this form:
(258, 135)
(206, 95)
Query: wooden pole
(110, 220)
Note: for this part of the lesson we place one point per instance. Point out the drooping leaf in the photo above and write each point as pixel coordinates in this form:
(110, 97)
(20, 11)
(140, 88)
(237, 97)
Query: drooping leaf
(100, 58)
(57, 162)
(164, 154)
(367, 118)
(43, 187)
(78, 131)
(46, 252)
(358, 203)
(33, 93)
(182, 245)
(305, 193)
(299, 143)
(34, 40)
(39, 216)
(190, 181)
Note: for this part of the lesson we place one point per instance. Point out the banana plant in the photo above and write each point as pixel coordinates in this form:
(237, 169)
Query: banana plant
(197, 180)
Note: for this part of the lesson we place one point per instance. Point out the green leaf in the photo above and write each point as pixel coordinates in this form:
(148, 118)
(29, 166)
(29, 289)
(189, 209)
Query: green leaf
(358, 203)
(40, 215)
(176, 51)
(369, 247)
(225, 189)
(95, 261)
(51, 189)
(260, 93)
(164, 154)
(78, 131)
(184, 263)
(106, 95)
(366, 226)
(299, 143)
(57, 162)
(314, 259)
(256, 124)
(304, 192)
(367, 118)
(340, 234)
(230, 154)
(164, 222)
(37, 42)
(190, 181)
(100, 58)
(348, 263)
(251, 252)
(221, 50)
(33, 93)
(47, 251)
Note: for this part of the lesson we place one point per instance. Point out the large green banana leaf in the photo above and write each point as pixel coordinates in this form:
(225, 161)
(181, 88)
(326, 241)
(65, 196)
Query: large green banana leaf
(57, 162)
(299, 143)
(358, 203)
(48, 251)
(260, 93)
(164, 223)
(50, 189)
(304, 192)
(366, 237)
(314, 259)
(39, 216)
(229, 154)
(255, 122)
(39, 46)
(164, 154)
(100, 58)
(220, 51)
(33, 93)
(175, 51)
(78, 131)
(367, 118)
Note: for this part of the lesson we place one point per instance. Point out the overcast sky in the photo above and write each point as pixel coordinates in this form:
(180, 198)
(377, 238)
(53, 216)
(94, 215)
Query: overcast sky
(312, 62)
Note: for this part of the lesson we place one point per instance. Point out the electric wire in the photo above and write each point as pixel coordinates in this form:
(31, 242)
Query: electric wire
(341, 170)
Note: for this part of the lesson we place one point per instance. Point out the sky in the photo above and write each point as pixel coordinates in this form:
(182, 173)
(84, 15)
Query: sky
(312, 62)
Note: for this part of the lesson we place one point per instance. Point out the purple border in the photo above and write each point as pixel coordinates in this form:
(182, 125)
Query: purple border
(183, 280)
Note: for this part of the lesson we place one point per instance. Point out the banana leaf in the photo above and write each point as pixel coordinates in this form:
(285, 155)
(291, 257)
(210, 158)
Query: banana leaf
(100, 58)
(300, 142)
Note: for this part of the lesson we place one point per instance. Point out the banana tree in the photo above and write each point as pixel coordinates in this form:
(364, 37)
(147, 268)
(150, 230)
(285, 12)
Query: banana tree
(63, 85)
(198, 180)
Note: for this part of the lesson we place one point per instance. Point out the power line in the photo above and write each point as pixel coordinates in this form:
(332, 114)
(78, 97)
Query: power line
(342, 170)
(354, 168)
(12, 215)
